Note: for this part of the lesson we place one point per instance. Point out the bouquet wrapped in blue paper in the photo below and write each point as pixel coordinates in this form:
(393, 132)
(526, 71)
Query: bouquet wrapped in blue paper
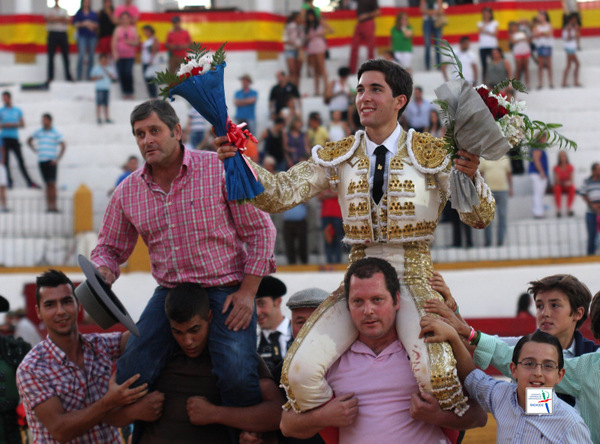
(200, 81)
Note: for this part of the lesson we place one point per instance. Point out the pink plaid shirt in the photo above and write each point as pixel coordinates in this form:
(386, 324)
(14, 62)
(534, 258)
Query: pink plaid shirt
(46, 372)
(193, 233)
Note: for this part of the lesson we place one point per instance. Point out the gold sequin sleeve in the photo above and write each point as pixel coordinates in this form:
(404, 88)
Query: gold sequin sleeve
(289, 188)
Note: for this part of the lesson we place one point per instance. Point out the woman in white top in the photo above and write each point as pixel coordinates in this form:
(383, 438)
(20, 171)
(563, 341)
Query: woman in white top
(570, 35)
(521, 49)
(339, 94)
(542, 32)
(150, 48)
(488, 37)
(293, 42)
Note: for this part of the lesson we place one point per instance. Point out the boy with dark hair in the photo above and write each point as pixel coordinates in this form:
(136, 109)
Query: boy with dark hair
(537, 361)
(192, 411)
(582, 377)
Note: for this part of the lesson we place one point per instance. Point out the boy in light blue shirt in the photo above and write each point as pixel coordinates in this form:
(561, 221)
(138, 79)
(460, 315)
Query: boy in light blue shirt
(103, 74)
(537, 361)
(50, 147)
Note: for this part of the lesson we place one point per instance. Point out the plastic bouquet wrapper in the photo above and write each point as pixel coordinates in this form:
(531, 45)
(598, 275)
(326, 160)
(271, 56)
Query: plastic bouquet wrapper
(200, 82)
(484, 122)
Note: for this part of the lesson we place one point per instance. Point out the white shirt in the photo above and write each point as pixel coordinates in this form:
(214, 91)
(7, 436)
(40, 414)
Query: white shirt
(391, 144)
(286, 334)
(486, 40)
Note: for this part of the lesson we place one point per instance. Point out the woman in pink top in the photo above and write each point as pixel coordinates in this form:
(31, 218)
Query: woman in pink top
(316, 47)
(125, 43)
(563, 183)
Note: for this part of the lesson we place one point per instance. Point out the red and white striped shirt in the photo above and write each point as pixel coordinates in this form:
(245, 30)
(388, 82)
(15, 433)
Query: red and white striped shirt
(193, 233)
(46, 372)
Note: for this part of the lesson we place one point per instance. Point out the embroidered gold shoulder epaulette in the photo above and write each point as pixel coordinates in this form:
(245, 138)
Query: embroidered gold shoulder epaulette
(334, 153)
(429, 152)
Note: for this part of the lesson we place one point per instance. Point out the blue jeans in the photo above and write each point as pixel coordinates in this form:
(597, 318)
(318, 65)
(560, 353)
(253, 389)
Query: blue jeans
(501, 198)
(85, 46)
(233, 354)
(591, 222)
(429, 31)
(150, 85)
(333, 249)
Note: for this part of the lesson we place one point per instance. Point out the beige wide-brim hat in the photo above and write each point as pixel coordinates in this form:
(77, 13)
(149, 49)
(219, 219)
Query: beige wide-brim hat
(99, 300)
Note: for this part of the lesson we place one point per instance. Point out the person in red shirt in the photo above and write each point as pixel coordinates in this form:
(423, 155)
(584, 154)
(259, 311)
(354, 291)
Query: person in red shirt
(563, 183)
(178, 41)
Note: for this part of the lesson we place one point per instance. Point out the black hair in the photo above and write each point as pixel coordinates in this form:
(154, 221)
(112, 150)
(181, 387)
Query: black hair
(314, 24)
(343, 71)
(367, 267)
(398, 78)
(524, 303)
(48, 116)
(52, 279)
(186, 301)
(595, 315)
(543, 338)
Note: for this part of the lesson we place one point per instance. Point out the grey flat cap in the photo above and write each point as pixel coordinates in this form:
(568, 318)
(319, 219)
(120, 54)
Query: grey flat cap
(309, 297)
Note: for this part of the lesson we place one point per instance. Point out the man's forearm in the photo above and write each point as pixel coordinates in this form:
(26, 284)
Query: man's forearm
(302, 425)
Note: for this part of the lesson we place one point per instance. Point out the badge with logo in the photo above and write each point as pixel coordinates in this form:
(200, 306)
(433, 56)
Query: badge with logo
(538, 400)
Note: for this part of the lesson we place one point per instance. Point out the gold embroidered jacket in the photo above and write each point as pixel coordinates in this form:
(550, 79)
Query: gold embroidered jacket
(409, 211)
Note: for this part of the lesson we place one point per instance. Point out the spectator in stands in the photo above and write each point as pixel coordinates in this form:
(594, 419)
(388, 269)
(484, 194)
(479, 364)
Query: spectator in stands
(523, 306)
(590, 191)
(570, 35)
(245, 102)
(563, 183)
(339, 93)
(364, 31)
(467, 60)
(338, 128)
(430, 10)
(401, 41)
(488, 39)
(295, 234)
(65, 381)
(3, 182)
(284, 95)
(293, 45)
(296, 142)
(104, 74)
(273, 139)
(177, 43)
(192, 411)
(50, 147)
(418, 111)
(197, 127)
(86, 23)
(125, 42)
(498, 69)
(315, 31)
(317, 133)
(57, 24)
(507, 401)
(11, 119)
(129, 167)
(562, 306)
(570, 8)
(542, 33)
(538, 172)
(498, 176)
(436, 127)
(521, 49)
(149, 59)
(129, 8)
(582, 375)
(332, 225)
(106, 27)
(23, 327)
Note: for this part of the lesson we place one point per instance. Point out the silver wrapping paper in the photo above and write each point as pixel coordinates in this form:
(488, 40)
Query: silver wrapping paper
(475, 131)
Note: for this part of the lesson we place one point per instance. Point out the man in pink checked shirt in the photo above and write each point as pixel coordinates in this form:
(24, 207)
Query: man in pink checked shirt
(178, 204)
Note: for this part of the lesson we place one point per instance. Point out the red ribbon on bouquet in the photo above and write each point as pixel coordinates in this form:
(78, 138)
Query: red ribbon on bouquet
(237, 136)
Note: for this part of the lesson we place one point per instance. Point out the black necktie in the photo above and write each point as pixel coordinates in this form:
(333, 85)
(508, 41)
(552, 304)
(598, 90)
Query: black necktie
(377, 190)
(274, 340)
